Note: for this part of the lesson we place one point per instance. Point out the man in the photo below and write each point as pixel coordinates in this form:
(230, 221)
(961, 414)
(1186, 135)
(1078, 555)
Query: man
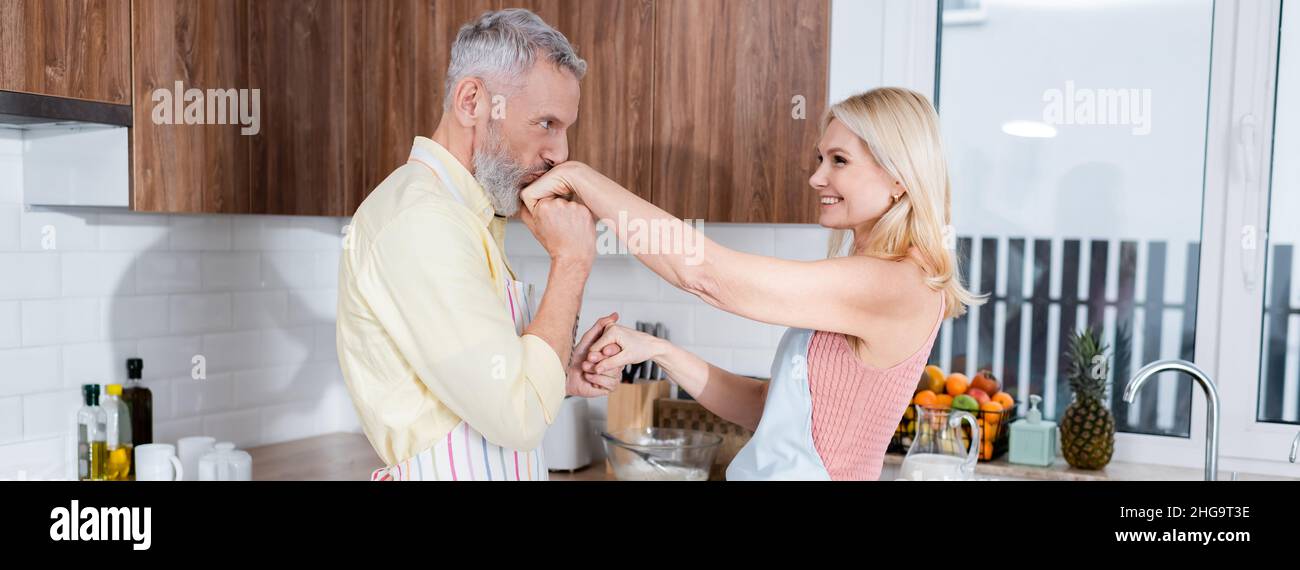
(452, 375)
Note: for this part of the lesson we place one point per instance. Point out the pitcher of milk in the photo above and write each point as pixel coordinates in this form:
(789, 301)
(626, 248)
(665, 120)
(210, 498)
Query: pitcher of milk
(941, 449)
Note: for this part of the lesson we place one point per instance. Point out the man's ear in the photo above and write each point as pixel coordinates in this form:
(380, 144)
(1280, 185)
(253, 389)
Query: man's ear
(468, 101)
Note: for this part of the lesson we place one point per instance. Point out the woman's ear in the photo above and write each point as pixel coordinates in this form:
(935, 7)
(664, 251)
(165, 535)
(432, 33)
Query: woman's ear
(467, 101)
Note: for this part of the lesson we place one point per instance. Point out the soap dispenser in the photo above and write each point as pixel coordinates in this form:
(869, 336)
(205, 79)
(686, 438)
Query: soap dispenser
(1033, 440)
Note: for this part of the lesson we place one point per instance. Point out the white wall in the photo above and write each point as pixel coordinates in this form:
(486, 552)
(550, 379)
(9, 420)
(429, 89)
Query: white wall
(255, 295)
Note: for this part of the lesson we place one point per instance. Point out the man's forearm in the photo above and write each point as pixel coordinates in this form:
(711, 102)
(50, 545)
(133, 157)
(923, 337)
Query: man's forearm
(558, 312)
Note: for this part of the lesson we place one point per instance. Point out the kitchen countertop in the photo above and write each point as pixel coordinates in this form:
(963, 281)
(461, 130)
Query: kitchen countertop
(349, 457)
(345, 457)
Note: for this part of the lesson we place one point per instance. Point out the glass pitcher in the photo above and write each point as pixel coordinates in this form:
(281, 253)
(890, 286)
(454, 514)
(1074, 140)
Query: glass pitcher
(941, 450)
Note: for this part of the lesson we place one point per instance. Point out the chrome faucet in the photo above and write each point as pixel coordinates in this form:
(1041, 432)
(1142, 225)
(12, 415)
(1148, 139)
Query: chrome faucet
(1212, 405)
(1295, 443)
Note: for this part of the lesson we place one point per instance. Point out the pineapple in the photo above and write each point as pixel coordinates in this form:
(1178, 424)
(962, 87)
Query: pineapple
(1087, 426)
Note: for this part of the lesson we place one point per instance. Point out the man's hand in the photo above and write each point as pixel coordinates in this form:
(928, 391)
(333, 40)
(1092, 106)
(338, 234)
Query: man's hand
(584, 384)
(564, 228)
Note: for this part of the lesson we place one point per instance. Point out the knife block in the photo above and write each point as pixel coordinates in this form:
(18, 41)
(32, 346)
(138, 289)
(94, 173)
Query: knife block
(633, 406)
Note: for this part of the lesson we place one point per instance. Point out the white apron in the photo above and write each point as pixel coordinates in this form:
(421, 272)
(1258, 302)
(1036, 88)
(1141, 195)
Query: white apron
(782, 447)
(464, 454)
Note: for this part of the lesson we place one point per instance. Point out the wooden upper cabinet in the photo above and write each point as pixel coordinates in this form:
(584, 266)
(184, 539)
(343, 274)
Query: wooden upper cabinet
(394, 88)
(179, 167)
(296, 61)
(728, 144)
(67, 48)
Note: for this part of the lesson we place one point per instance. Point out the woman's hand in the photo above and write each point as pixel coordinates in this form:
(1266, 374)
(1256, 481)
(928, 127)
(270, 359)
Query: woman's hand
(560, 182)
(577, 381)
(619, 347)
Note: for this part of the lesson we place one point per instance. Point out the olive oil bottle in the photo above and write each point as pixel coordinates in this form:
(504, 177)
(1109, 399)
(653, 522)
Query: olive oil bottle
(139, 405)
(92, 448)
(117, 434)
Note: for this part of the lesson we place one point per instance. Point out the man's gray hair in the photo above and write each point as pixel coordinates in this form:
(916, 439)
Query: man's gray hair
(502, 46)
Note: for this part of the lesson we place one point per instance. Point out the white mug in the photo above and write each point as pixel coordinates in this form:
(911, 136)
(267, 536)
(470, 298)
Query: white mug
(190, 450)
(157, 462)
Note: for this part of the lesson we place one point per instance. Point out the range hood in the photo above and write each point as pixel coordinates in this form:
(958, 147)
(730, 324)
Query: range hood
(75, 153)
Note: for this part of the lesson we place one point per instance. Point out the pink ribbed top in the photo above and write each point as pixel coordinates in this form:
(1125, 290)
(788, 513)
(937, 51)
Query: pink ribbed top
(855, 407)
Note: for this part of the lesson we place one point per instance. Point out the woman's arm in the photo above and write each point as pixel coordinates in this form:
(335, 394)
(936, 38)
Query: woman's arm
(732, 397)
(837, 295)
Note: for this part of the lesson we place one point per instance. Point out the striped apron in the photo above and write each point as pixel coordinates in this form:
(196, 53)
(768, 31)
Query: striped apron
(464, 454)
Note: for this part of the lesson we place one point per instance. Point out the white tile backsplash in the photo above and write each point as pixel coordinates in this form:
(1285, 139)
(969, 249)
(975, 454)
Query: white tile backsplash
(11, 419)
(135, 316)
(48, 230)
(25, 370)
(98, 362)
(48, 414)
(170, 356)
(261, 309)
(204, 312)
(231, 270)
(167, 272)
(83, 289)
(10, 224)
(60, 321)
(231, 351)
(96, 274)
(11, 324)
(39, 276)
(200, 233)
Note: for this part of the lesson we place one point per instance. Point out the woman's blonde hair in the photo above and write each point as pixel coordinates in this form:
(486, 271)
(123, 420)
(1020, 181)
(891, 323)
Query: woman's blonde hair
(901, 129)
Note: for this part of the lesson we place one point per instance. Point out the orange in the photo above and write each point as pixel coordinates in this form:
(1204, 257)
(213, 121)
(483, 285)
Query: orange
(991, 420)
(925, 398)
(986, 450)
(1008, 403)
(943, 401)
(957, 384)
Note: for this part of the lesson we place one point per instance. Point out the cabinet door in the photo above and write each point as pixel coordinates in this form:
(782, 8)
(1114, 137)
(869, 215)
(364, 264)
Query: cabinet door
(296, 60)
(181, 167)
(396, 58)
(731, 143)
(67, 48)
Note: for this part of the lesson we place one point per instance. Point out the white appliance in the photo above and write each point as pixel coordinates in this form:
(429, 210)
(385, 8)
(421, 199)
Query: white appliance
(567, 445)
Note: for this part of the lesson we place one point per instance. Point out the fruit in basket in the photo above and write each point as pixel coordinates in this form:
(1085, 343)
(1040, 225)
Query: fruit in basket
(1008, 403)
(966, 403)
(979, 395)
(990, 420)
(957, 384)
(1087, 426)
(984, 380)
(925, 398)
(933, 379)
(943, 401)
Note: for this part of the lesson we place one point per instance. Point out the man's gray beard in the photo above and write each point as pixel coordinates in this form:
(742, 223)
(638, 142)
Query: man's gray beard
(498, 173)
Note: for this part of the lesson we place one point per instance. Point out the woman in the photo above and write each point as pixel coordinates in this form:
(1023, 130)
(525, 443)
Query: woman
(862, 324)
